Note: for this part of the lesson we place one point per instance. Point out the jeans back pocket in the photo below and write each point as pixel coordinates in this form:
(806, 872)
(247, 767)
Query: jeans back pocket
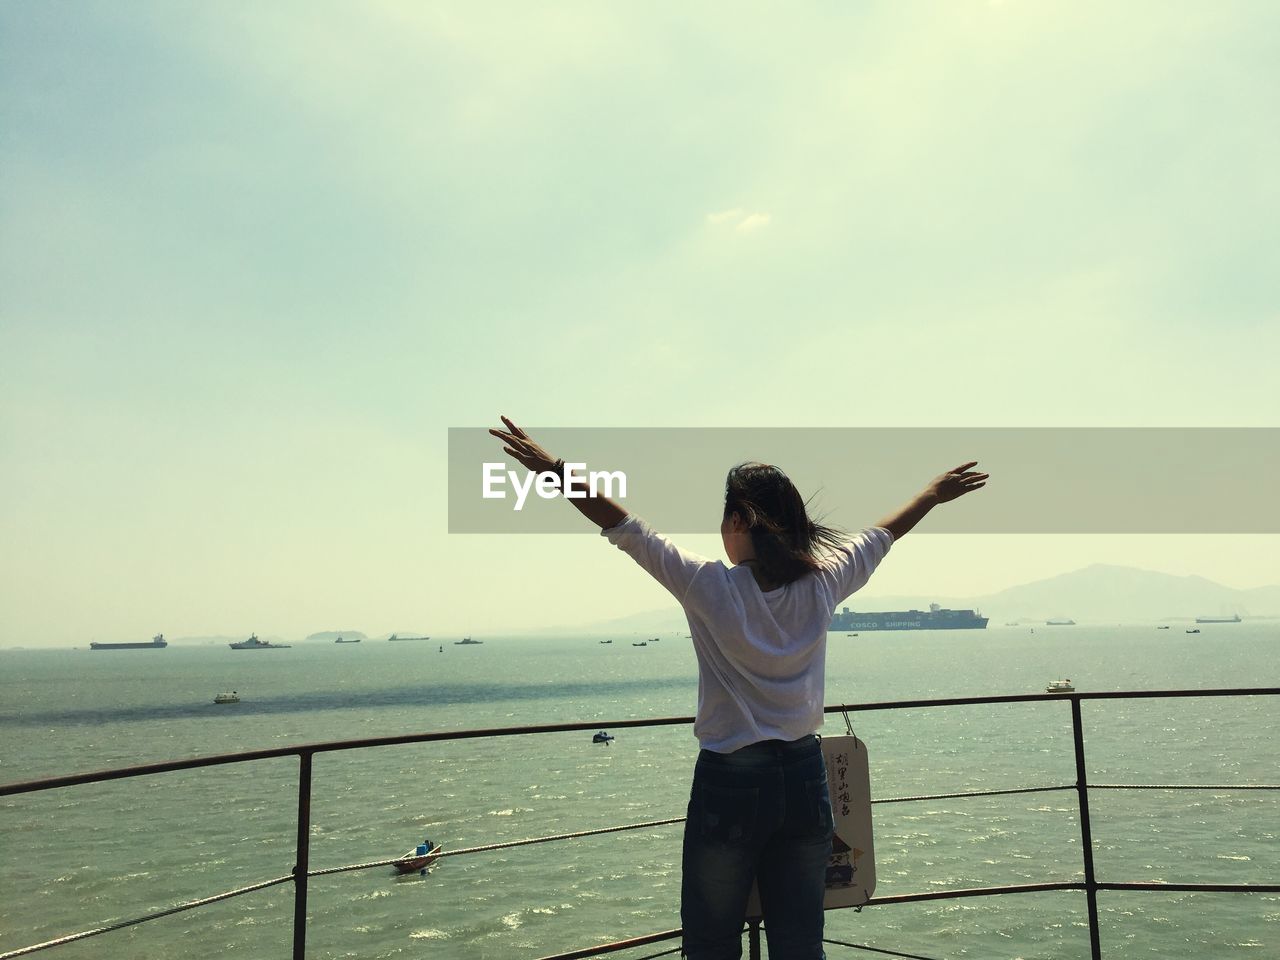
(725, 815)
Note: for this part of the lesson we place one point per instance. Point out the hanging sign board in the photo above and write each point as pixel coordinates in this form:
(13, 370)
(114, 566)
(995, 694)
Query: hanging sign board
(851, 869)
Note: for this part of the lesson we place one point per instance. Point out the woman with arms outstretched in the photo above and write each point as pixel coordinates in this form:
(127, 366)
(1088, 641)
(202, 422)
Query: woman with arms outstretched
(759, 809)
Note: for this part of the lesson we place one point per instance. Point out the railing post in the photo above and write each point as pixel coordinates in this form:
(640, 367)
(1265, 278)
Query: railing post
(1086, 831)
(753, 939)
(303, 860)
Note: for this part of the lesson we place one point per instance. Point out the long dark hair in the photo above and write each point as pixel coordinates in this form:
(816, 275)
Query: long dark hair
(787, 543)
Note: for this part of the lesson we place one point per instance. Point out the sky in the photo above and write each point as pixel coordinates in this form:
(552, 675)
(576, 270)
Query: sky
(256, 259)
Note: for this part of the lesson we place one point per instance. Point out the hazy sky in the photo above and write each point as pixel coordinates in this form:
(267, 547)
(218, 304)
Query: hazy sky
(255, 259)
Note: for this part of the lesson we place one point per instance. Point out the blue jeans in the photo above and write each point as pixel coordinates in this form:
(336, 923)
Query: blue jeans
(761, 813)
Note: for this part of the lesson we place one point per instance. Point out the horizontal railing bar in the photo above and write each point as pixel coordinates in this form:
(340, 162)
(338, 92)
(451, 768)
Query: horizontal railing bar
(1040, 697)
(615, 946)
(974, 793)
(507, 844)
(948, 895)
(100, 776)
(348, 868)
(170, 766)
(1194, 887)
(120, 925)
(1184, 786)
(975, 892)
(888, 953)
(663, 953)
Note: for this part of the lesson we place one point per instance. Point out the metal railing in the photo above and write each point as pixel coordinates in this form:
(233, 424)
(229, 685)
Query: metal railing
(301, 872)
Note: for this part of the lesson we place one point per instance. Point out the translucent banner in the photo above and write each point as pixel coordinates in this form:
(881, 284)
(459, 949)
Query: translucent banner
(1054, 480)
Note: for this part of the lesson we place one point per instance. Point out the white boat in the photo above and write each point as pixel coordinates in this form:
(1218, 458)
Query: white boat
(231, 697)
(1060, 686)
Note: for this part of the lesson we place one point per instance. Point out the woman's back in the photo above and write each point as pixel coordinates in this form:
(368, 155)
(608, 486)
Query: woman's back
(761, 654)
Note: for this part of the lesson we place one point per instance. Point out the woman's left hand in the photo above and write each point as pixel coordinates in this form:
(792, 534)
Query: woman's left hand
(519, 445)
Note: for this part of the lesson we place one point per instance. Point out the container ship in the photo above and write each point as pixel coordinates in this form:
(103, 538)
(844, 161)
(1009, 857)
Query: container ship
(935, 618)
(158, 642)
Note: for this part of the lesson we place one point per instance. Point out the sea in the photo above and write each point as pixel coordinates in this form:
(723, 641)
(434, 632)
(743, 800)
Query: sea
(80, 857)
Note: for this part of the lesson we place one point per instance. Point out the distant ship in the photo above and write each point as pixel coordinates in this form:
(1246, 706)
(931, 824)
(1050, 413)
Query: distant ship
(158, 642)
(1234, 618)
(935, 618)
(467, 642)
(340, 640)
(1060, 622)
(253, 643)
(395, 639)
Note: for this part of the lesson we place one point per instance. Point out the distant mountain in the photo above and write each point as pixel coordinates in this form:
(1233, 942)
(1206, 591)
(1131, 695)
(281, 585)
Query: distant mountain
(1103, 592)
(1098, 592)
(1106, 592)
(332, 635)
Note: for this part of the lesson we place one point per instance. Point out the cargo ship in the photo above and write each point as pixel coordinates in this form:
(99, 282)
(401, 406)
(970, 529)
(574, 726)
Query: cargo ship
(158, 642)
(253, 643)
(1060, 622)
(1234, 618)
(935, 618)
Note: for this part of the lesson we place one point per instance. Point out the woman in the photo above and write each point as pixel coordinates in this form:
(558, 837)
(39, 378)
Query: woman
(759, 809)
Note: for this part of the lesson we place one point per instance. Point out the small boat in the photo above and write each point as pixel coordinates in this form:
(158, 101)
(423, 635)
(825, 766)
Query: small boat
(602, 737)
(1197, 630)
(231, 697)
(467, 642)
(419, 858)
(1060, 686)
(1162, 628)
(606, 641)
(656, 639)
(642, 643)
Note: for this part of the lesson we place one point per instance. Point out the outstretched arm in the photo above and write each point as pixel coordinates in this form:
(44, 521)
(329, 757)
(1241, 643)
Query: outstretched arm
(942, 489)
(601, 511)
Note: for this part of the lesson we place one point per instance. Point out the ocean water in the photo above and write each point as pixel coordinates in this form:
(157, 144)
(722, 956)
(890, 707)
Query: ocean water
(83, 856)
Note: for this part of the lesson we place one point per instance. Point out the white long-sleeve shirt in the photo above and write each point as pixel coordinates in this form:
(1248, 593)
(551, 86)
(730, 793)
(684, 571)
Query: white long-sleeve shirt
(761, 654)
